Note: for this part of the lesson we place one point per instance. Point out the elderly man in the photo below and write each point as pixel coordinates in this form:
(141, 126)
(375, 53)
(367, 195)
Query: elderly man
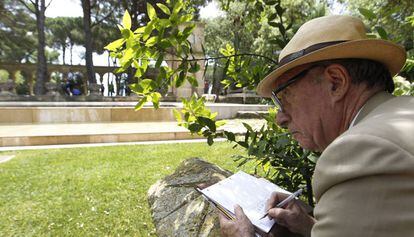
(333, 89)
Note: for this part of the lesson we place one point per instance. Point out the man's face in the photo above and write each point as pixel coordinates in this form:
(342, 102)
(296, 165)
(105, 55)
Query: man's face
(306, 111)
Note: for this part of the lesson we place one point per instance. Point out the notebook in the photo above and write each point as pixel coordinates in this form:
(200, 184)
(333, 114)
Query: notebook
(249, 192)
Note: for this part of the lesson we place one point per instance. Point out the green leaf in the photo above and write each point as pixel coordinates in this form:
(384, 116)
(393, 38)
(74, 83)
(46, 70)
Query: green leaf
(270, 2)
(180, 79)
(126, 33)
(282, 29)
(220, 122)
(382, 33)
(128, 54)
(207, 122)
(192, 80)
(140, 103)
(151, 41)
(195, 127)
(370, 15)
(165, 43)
(164, 8)
(160, 59)
(279, 10)
(177, 7)
(194, 67)
(230, 136)
(188, 30)
(210, 140)
(185, 18)
(115, 44)
(272, 17)
(140, 30)
(177, 115)
(274, 24)
(155, 97)
(248, 127)
(126, 20)
(164, 23)
(151, 12)
(147, 85)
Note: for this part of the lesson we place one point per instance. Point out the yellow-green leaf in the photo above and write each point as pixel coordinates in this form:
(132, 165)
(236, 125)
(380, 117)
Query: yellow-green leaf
(140, 30)
(126, 20)
(151, 41)
(129, 53)
(164, 8)
(140, 103)
(177, 115)
(156, 96)
(151, 12)
(115, 44)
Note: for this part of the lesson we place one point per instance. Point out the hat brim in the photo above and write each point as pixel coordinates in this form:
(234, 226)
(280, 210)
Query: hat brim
(393, 56)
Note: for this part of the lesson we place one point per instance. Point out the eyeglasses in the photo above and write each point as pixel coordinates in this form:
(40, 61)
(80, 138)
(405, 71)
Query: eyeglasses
(274, 93)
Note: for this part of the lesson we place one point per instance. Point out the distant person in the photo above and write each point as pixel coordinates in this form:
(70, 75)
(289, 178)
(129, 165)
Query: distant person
(76, 91)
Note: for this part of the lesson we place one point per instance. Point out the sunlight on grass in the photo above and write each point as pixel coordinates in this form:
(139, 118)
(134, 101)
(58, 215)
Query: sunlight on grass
(92, 191)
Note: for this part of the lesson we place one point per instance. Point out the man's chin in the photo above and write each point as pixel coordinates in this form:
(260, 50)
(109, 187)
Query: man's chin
(308, 145)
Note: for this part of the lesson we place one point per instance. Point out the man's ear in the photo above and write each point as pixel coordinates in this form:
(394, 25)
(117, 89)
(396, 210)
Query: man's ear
(338, 80)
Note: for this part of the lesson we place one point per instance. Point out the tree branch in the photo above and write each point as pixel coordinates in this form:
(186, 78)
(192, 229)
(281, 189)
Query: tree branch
(27, 6)
(104, 18)
(49, 4)
(220, 57)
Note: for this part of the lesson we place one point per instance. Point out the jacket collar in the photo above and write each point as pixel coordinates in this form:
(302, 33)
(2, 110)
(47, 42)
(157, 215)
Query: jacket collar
(371, 104)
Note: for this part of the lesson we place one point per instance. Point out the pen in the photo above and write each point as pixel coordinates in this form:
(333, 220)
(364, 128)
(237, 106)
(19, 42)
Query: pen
(286, 200)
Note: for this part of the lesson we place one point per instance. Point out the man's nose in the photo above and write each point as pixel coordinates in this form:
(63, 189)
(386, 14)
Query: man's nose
(282, 119)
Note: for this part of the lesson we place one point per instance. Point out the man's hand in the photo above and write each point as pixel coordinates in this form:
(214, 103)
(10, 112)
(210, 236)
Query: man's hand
(241, 227)
(293, 216)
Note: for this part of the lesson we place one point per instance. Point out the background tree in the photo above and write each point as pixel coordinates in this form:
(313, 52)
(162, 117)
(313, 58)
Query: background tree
(38, 8)
(17, 41)
(59, 29)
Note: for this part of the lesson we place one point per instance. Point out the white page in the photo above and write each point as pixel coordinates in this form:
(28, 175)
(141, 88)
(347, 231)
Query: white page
(247, 191)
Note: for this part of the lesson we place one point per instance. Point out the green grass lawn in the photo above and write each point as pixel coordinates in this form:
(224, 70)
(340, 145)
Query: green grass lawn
(98, 191)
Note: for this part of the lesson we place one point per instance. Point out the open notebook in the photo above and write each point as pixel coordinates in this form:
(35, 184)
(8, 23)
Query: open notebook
(249, 192)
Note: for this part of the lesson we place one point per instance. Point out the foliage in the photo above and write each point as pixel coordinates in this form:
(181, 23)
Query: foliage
(403, 87)
(391, 20)
(151, 43)
(198, 119)
(160, 36)
(272, 151)
(17, 43)
(100, 191)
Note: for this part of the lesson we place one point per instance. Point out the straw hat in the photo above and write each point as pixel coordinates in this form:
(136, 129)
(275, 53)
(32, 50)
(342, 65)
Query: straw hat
(333, 37)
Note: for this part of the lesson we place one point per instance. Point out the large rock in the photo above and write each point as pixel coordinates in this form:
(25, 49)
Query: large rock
(177, 208)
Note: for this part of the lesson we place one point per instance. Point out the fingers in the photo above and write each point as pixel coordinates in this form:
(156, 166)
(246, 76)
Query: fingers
(239, 212)
(274, 199)
(280, 215)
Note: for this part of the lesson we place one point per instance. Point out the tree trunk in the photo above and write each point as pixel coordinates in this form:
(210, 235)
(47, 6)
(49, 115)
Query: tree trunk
(71, 54)
(63, 54)
(41, 72)
(86, 5)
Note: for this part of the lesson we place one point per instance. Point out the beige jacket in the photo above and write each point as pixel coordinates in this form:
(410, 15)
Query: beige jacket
(364, 180)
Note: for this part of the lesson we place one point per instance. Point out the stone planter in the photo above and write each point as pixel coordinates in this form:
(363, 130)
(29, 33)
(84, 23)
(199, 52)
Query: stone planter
(94, 90)
(51, 89)
(7, 88)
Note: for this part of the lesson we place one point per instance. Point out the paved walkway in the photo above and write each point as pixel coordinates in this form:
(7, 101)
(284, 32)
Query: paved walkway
(6, 158)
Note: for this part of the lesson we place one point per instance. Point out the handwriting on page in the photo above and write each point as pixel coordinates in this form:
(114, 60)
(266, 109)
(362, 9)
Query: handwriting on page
(247, 191)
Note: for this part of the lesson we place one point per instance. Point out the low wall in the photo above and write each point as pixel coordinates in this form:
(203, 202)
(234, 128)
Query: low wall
(95, 112)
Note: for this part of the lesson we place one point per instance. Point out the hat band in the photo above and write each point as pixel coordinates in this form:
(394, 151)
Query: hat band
(290, 57)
